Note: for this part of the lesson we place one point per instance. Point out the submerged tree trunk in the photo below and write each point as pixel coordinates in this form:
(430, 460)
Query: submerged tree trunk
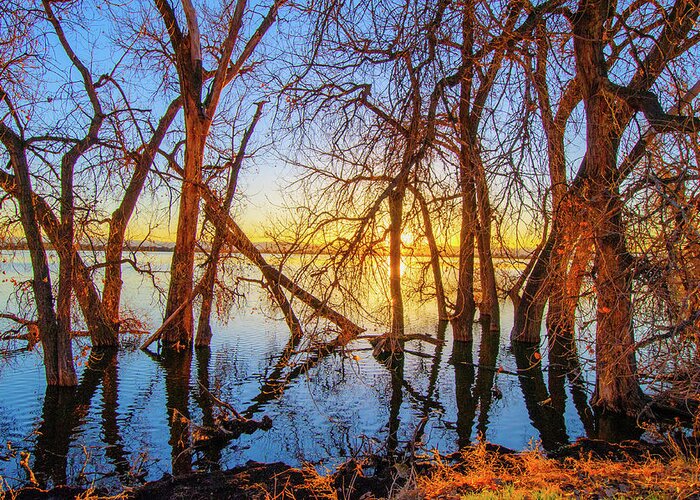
(102, 333)
(66, 238)
(66, 235)
(527, 320)
(488, 307)
(529, 316)
(199, 110)
(58, 356)
(465, 307)
(112, 289)
(204, 332)
(180, 330)
(394, 343)
(111, 292)
(617, 389)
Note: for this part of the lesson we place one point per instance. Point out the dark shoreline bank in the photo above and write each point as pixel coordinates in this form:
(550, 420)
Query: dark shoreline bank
(501, 470)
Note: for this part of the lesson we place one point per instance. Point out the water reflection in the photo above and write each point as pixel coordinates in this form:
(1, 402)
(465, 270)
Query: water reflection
(322, 406)
(545, 416)
(54, 435)
(433, 378)
(484, 388)
(211, 459)
(177, 366)
(564, 365)
(415, 399)
(116, 450)
(395, 364)
(616, 428)
(64, 412)
(463, 361)
(474, 383)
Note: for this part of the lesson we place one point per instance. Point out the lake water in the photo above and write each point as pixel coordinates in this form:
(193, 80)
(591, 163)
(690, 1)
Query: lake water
(127, 420)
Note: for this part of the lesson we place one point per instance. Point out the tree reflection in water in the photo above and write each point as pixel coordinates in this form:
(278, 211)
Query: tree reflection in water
(414, 396)
(64, 412)
(463, 361)
(543, 413)
(474, 384)
(211, 459)
(177, 366)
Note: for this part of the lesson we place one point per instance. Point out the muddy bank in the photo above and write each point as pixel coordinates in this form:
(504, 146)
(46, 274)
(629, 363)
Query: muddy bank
(251, 481)
(586, 469)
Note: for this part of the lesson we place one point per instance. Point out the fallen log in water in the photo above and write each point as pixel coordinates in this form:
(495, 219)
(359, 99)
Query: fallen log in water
(237, 238)
(228, 426)
(227, 430)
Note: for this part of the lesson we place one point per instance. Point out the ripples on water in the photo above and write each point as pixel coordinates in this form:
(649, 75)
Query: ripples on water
(118, 427)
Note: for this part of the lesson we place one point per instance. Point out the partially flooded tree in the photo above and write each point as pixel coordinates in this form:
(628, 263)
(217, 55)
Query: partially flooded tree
(58, 358)
(593, 195)
(233, 169)
(201, 90)
(67, 151)
(381, 139)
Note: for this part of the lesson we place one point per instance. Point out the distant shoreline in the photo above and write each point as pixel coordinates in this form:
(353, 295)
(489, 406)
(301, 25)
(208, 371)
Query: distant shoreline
(267, 248)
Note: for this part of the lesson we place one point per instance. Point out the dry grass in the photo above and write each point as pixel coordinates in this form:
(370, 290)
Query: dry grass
(481, 473)
(485, 474)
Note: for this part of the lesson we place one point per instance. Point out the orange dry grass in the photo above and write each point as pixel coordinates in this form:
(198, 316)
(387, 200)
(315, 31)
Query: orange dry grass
(319, 485)
(482, 472)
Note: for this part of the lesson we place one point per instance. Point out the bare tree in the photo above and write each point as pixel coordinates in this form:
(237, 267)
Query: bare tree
(233, 167)
(199, 106)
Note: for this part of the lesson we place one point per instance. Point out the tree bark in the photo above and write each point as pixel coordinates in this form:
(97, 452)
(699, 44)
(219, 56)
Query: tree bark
(66, 228)
(465, 307)
(66, 236)
(617, 389)
(488, 307)
(554, 126)
(527, 320)
(397, 316)
(204, 333)
(111, 292)
(58, 356)
(569, 274)
(182, 266)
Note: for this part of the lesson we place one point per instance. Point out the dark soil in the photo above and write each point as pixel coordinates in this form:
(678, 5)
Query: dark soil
(251, 481)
